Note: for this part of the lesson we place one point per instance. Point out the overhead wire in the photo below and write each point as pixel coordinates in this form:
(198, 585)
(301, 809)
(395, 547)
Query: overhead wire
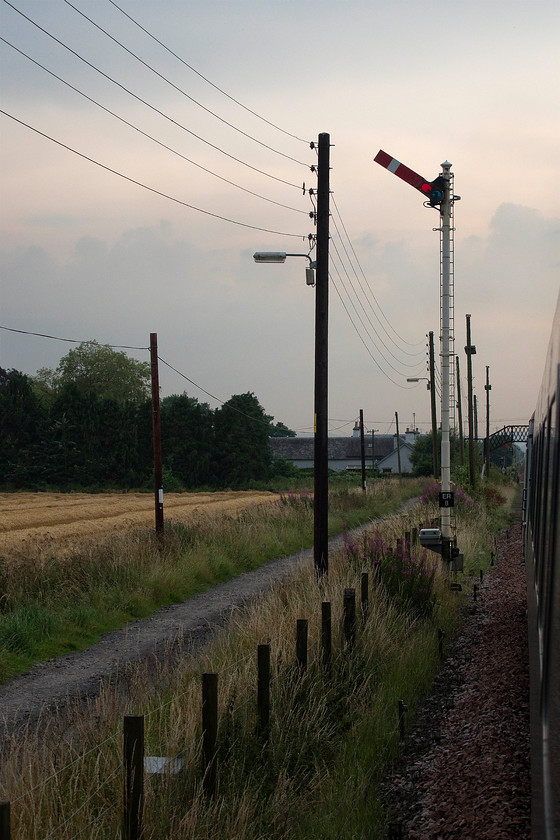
(360, 319)
(73, 340)
(390, 378)
(146, 186)
(148, 104)
(359, 299)
(411, 344)
(149, 136)
(180, 90)
(200, 75)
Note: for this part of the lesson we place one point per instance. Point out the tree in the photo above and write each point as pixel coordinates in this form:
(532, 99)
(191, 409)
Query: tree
(187, 439)
(22, 430)
(242, 448)
(278, 429)
(98, 369)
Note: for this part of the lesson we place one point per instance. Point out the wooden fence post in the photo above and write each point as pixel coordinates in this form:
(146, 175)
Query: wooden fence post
(263, 691)
(5, 824)
(326, 635)
(209, 732)
(349, 617)
(133, 757)
(365, 595)
(301, 643)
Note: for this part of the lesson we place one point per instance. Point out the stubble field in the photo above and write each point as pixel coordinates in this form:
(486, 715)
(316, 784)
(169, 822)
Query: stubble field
(65, 518)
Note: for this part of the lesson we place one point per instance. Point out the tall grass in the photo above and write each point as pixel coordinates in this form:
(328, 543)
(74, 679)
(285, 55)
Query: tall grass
(50, 604)
(332, 736)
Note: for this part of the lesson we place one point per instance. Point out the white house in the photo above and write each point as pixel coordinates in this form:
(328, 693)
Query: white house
(345, 452)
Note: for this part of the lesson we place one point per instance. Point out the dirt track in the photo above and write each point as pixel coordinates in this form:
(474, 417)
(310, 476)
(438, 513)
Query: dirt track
(66, 517)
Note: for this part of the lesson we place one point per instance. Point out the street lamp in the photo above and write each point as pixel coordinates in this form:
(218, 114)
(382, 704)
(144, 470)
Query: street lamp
(280, 257)
(419, 379)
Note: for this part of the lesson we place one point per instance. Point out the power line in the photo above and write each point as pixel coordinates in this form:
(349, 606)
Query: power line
(411, 344)
(405, 364)
(145, 186)
(200, 75)
(72, 340)
(149, 105)
(180, 90)
(149, 136)
(398, 384)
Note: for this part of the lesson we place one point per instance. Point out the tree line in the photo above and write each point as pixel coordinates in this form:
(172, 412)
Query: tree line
(88, 425)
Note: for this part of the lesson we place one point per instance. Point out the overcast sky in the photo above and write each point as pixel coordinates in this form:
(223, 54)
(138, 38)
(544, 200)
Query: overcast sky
(89, 254)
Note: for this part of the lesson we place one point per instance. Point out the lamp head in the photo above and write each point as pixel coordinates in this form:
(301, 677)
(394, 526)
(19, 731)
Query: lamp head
(269, 256)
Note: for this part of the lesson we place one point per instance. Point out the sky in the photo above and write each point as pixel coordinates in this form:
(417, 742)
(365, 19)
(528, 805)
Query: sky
(135, 192)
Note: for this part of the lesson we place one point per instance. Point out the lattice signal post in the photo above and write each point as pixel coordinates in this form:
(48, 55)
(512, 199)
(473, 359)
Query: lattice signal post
(438, 193)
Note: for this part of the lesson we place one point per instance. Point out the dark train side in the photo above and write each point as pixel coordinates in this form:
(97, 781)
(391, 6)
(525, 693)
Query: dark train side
(541, 514)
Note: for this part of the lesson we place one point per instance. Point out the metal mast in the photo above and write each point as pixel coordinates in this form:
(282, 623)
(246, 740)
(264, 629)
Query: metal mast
(447, 348)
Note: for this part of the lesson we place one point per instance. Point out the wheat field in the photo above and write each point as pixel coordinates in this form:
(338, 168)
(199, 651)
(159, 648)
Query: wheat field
(65, 517)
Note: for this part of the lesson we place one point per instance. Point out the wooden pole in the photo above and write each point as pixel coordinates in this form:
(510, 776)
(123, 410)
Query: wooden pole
(321, 452)
(301, 643)
(5, 823)
(460, 414)
(209, 732)
(156, 437)
(263, 691)
(363, 451)
(398, 444)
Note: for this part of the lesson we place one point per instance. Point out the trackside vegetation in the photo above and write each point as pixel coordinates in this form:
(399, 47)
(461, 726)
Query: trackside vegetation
(52, 604)
(333, 730)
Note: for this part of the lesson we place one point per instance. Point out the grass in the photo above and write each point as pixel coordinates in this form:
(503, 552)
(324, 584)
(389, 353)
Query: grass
(332, 734)
(50, 605)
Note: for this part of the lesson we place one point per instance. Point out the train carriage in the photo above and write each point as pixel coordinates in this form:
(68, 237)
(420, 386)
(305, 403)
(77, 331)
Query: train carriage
(541, 515)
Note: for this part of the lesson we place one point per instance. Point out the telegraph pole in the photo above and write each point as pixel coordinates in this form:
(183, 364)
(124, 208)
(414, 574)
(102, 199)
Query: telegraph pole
(398, 444)
(156, 437)
(470, 350)
(363, 450)
(321, 454)
(487, 388)
(460, 414)
(433, 406)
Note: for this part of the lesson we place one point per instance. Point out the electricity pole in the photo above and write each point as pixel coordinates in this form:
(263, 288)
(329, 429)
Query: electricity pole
(321, 454)
(487, 388)
(156, 437)
(398, 444)
(470, 350)
(460, 414)
(363, 450)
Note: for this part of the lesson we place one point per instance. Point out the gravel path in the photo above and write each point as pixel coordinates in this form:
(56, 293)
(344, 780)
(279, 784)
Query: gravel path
(82, 673)
(464, 772)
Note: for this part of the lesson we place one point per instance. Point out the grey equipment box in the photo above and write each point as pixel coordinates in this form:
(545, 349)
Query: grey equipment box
(430, 537)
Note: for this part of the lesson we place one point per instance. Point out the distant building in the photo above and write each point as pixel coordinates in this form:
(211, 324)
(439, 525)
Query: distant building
(345, 452)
